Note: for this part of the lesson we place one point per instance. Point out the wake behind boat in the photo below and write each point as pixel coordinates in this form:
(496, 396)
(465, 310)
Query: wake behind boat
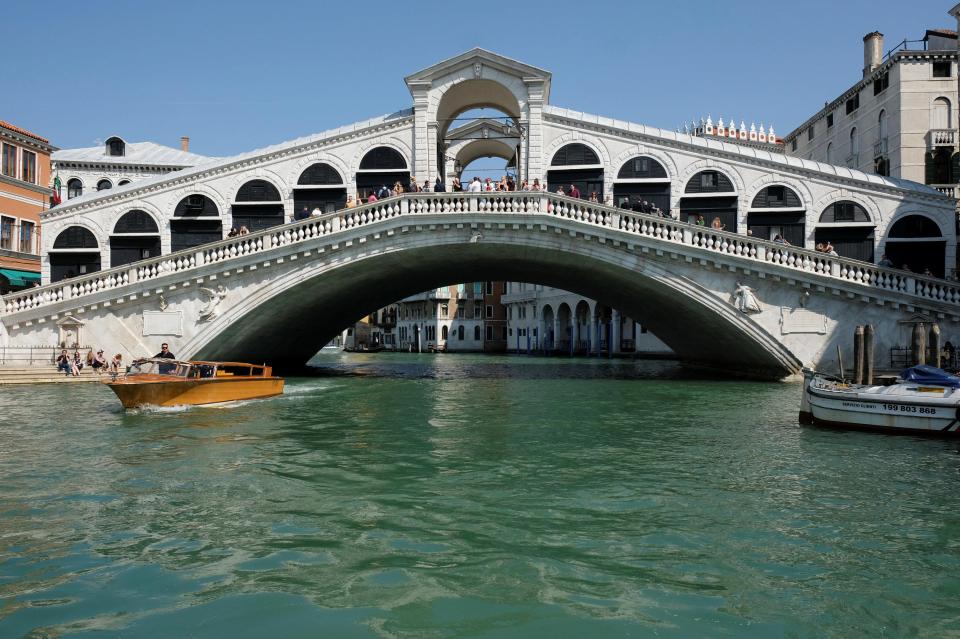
(923, 400)
(168, 382)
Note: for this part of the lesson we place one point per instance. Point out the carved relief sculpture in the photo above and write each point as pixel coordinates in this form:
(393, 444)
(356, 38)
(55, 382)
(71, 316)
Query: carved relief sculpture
(745, 300)
(214, 297)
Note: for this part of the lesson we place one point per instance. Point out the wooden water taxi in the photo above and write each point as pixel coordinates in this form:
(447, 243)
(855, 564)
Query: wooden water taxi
(923, 400)
(168, 382)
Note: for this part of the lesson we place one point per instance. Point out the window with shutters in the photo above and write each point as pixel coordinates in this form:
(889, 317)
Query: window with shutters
(853, 103)
(881, 83)
(829, 120)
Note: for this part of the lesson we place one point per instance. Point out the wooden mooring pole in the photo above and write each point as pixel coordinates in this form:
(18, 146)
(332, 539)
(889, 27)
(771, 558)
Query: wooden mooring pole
(868, 354)
(858, 355)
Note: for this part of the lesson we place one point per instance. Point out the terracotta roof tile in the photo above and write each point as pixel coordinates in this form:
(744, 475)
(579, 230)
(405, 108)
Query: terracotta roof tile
(16, 129)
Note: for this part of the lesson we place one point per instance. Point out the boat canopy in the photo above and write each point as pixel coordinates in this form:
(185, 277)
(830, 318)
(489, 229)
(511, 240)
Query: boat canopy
(924, 374)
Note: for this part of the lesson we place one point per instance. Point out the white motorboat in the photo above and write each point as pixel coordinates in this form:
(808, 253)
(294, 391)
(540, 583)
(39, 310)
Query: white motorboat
(923, 400)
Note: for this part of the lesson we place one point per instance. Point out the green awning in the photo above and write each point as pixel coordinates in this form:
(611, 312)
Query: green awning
(19, 278)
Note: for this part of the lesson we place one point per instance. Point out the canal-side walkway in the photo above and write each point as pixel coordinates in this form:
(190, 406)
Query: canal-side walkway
(44, 375)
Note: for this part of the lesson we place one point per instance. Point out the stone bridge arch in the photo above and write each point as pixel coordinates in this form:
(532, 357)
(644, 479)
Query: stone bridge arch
(318, 298)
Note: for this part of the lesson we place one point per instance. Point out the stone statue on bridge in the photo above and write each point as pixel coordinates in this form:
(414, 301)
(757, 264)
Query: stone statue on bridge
(746, 300)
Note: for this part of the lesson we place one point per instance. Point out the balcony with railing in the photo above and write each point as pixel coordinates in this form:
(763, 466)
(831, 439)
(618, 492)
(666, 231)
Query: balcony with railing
(947, 189)
(937, 138)
(880, 148)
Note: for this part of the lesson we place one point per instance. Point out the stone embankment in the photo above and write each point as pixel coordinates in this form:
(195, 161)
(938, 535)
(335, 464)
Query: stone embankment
(45, 375)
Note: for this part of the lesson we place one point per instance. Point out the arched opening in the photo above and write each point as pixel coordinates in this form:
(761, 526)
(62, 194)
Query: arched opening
(75, 252)
(829, 152)
(74, 188)
(549, 328)
(603, 328)
(640, 180)
(461, 332)
(563, 332)
(582, 334)
(576, 165)
(444, 332)
(257, 206)
(319, 188)
(848, 227)
(381, 167)
(135, 237)
(710, 194)
(483, 160)
(466, 102)
(104, 185)
(940, 114)
(777, 210)
(196, 221)
(476, 333)
(115, 147)
(123, 182)
(915, 242)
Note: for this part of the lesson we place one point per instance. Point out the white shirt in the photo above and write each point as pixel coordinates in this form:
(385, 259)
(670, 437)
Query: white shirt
(475, 186)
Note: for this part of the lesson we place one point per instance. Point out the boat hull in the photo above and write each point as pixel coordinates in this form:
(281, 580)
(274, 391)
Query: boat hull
(193, 392)
(888, 413)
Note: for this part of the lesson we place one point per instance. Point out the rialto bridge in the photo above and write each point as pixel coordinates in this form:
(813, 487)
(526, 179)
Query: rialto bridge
(149, 261)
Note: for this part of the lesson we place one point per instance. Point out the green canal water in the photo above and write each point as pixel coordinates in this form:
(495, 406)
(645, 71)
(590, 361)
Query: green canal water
(471, 496)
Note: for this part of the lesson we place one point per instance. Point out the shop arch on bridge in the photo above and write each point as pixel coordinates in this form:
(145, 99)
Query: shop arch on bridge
(712, 194)
(75, 252)
(196, 220)
(136, 236)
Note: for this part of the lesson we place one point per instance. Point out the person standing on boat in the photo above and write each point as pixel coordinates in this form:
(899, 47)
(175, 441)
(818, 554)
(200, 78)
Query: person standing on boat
(165, 354)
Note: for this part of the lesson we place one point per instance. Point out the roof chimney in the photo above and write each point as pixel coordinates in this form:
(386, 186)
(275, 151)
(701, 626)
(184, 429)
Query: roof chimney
(872, 52)
(185, 143)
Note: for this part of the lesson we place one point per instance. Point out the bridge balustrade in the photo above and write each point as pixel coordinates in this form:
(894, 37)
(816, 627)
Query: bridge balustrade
(651, 226)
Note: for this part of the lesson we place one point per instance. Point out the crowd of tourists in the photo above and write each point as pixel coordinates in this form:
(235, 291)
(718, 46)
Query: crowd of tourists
(72, 365)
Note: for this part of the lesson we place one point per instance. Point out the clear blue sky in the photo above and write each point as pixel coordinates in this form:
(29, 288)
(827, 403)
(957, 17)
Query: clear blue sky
(239, 75)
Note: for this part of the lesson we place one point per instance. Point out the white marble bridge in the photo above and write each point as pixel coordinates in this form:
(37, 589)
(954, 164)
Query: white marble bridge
(278, 295)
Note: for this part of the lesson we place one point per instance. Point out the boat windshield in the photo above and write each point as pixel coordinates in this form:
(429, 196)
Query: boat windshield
(160, 367)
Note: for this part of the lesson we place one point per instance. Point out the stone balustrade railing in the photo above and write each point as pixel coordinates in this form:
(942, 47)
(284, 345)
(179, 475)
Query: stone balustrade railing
(704, 240)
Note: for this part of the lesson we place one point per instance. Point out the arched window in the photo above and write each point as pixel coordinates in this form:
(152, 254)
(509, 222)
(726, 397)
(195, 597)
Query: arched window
(254, 208)
(940, 114)
(829, 152)
(74, 188)
(588, 178)
(196, 220)
(575, 154)
(882, 126)
(476, 333)
(381, 167)
(136, 221)
(75, 237)
(778, 210)
(641, 167)
(104, 185)
(123, 182)
(135, 237)
(75, 252)
(323, 173)
(915, 226)
(444, 332)
(460, 332)
(115, 147)
(916, 242)
(383, 158)
(710, 182)
(776, 197)
(196, 205)
(710, 194)
(847, 227)
(854, 145)
(321, 187)
(844, 211)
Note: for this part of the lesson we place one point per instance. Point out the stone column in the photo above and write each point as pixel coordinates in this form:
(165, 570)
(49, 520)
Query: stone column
(534, 130)
(432, 154)
(617, 328)
(421, 149)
